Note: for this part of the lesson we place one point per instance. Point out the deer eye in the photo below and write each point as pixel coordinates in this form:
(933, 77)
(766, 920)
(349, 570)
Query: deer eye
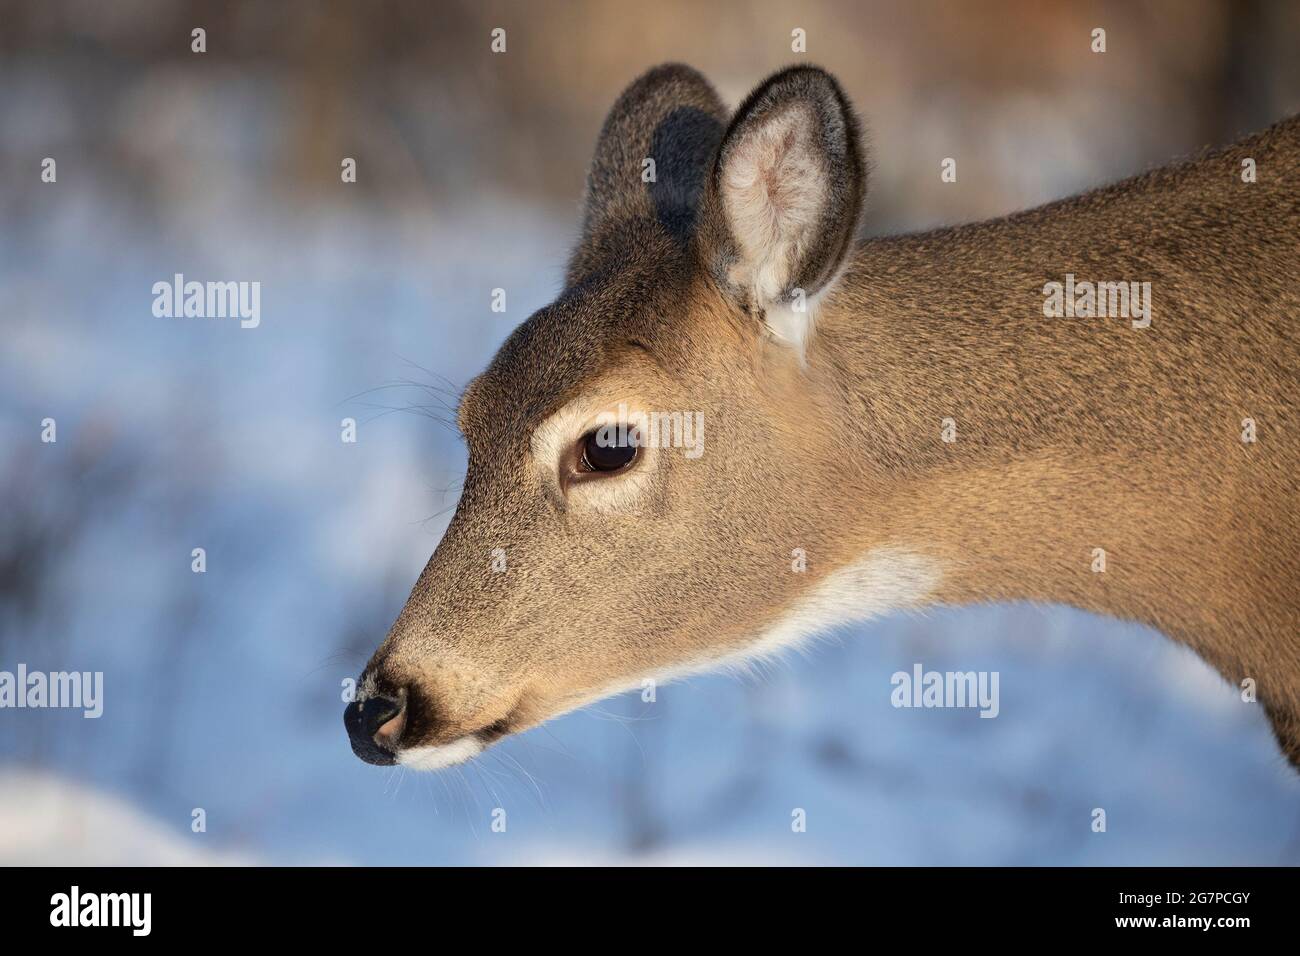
(608, 449)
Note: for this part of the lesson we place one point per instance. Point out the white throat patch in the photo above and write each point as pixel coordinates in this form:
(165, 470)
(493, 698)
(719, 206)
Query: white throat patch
(886, 579)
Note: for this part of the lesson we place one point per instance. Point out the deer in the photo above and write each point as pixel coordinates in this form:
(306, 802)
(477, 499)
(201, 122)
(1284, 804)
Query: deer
(906, 416)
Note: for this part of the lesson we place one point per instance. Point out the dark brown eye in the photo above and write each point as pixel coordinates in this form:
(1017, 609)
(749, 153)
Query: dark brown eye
(608, 449)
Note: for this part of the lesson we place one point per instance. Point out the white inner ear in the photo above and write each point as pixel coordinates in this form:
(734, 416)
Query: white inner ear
(774, 193)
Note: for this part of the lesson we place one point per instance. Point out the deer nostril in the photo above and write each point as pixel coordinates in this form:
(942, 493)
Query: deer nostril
(373, 727)
(390, 731)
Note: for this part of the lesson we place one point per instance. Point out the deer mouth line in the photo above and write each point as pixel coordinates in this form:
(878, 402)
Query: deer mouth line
(380, 728)
(437, 756)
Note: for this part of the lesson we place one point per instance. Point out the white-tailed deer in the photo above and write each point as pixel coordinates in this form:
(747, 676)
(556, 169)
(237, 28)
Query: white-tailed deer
(980, 413)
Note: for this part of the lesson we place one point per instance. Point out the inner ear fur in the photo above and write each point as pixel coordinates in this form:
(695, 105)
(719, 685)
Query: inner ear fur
(786, 190)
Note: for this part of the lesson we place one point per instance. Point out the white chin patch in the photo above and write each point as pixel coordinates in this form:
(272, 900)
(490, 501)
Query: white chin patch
(435, 758)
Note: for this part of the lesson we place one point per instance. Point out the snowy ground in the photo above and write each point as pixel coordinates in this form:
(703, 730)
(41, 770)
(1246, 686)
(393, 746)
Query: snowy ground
(223, 689)
(50, 820)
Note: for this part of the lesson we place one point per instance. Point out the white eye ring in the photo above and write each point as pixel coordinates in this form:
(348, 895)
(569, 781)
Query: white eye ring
(558, 444)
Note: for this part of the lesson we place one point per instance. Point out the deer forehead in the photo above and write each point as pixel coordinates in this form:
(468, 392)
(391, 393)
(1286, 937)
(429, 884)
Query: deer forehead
(635, 322)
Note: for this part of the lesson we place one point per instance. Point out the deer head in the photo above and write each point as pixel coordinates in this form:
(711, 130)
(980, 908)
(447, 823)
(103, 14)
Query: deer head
(649, 459)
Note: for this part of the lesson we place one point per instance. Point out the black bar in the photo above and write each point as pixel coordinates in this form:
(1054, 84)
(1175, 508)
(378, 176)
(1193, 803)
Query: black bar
(344, 906)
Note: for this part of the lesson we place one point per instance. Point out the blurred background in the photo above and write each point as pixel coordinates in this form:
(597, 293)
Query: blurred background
(223, 689)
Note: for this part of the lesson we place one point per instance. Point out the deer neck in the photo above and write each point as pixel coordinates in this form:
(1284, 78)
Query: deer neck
(1028, 457)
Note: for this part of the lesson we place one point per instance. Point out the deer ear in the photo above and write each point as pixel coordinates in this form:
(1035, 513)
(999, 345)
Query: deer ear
(651, 165)
(787, 185)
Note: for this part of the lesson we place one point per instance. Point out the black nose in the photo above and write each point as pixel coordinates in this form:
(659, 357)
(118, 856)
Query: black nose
(362, 718)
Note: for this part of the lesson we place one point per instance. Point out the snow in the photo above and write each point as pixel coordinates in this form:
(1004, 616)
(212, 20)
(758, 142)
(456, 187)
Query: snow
(47, 820)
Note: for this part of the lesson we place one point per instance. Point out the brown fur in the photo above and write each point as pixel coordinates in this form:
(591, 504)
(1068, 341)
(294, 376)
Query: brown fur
(1073, 433)
(1082, 433)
